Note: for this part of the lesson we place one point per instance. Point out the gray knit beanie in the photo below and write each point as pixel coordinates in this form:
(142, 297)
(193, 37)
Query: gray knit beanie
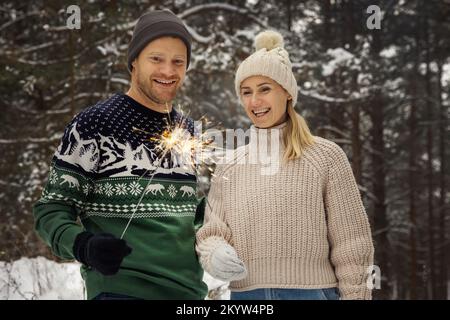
(270, 60)
(153, 25)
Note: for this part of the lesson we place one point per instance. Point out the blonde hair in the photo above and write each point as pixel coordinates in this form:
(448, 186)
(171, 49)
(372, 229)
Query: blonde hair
(296, 136)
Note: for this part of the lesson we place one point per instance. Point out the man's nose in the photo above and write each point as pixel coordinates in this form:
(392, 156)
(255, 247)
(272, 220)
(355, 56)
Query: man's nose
(167, 69)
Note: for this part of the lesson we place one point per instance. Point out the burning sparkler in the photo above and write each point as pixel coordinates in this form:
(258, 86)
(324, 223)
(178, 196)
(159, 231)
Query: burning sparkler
(192, 151)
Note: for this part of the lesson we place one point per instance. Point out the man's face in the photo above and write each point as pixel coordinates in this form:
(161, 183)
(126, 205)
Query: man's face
(159, 70)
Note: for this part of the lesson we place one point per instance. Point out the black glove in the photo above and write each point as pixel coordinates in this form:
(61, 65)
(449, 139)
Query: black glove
(103, 252)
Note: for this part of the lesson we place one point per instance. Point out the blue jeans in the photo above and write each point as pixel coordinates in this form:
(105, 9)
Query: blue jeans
(114, 296)
(287, 294)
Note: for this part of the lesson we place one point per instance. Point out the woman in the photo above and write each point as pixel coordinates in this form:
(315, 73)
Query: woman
(301, 233)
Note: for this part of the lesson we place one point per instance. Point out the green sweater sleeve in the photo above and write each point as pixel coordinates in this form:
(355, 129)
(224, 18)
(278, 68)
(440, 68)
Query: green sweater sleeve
(56, 225)
(67, 190)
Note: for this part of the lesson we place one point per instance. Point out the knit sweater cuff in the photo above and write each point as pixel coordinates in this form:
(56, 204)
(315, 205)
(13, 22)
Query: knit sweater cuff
(206, 247)
(362, 293)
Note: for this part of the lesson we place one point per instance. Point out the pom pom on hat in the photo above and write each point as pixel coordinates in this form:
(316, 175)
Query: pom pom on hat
(269, 39)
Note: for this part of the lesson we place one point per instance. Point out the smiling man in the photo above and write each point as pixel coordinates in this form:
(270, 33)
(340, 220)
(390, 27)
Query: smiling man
(107, 163)
(158, 57)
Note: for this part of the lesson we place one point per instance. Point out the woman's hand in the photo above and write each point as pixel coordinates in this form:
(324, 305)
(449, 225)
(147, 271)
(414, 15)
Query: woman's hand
(220, 260)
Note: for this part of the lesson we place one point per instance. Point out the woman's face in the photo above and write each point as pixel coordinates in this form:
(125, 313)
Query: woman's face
(264, 101)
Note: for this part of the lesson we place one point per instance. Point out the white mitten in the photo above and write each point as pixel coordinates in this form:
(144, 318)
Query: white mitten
(220, 260)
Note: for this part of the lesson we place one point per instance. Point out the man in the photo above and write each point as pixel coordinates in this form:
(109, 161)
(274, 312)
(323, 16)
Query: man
(107, 160)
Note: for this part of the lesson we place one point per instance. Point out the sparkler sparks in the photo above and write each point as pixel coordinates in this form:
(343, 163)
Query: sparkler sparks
(191, 151)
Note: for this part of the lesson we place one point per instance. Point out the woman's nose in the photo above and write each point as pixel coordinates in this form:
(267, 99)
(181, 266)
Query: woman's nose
(255, 101)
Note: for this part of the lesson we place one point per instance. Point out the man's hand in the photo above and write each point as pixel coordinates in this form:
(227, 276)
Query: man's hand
(102, 252)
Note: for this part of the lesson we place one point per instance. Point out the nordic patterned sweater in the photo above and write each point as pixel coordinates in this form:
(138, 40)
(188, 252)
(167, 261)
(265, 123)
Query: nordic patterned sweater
(95, 178)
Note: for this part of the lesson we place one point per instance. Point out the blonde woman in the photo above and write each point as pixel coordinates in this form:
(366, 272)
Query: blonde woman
(300, 233)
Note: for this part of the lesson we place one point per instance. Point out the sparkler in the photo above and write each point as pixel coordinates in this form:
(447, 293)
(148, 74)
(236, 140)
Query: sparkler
(192, 150)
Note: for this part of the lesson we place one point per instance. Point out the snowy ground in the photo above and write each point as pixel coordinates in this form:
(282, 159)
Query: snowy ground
(42, 279)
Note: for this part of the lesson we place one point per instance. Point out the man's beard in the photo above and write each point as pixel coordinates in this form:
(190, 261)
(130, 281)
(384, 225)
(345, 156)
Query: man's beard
(147, 91)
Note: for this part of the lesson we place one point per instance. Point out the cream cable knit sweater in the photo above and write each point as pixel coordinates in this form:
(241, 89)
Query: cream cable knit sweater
(304, 227)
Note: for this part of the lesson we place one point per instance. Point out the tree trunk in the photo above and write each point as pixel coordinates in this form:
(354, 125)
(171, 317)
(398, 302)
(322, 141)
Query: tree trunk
(381, 226)
(355, 108)
(72, 71)
(430, 186)
(288, 4)
(442, 208)
(327, 29)
(412, 170)
(412, 195)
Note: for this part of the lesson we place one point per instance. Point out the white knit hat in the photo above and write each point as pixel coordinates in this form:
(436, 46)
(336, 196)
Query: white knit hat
(270, 60)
